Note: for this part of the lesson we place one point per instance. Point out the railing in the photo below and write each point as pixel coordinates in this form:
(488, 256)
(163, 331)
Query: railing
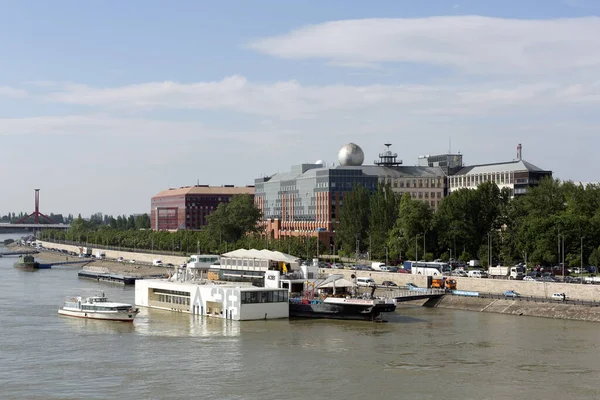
(534, 299)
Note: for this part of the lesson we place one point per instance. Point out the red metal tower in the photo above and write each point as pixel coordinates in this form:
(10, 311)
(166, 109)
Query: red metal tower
(37, 214)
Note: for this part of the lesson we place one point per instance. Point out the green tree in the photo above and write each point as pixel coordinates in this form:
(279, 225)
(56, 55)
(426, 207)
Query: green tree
(383, 214)
(413, 222)
(354, 220)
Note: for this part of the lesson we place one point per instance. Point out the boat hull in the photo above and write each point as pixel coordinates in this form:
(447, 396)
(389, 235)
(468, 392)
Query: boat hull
(362, 312)
(123, 317)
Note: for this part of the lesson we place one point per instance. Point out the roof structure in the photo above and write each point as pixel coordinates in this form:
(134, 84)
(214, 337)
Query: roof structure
(262, 255)
(511, 166)
(339, 283)
(224, 190)
(310, 171)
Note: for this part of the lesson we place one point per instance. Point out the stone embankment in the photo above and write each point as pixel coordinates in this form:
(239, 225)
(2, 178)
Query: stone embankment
(542, 291)
(139, 268)
(522, 307)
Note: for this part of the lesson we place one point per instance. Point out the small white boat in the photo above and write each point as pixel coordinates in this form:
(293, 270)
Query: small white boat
(98, 307)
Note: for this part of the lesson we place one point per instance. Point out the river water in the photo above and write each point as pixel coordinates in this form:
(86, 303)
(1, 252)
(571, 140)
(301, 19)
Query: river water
(419, 354)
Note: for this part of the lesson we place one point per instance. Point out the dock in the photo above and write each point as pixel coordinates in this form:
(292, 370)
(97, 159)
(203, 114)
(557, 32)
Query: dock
(114, 278)
(18, 253)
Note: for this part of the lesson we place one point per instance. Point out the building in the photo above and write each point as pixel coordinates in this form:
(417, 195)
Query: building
(188, 207)
(235, 302)
(517, 175)
(306, 200)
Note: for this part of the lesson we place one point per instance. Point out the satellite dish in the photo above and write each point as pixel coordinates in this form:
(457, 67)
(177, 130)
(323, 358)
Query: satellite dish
(320, 162)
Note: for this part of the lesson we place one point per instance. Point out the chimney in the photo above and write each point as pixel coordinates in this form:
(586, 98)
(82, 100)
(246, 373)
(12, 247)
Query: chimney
(519, 148)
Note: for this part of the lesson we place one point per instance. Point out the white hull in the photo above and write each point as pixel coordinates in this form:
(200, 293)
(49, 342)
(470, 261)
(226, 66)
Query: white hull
(107, 316)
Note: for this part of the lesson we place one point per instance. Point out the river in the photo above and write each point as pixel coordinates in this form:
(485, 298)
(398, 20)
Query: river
(419, 354)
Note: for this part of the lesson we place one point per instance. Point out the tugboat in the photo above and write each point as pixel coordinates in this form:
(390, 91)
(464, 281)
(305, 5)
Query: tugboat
(28, 263)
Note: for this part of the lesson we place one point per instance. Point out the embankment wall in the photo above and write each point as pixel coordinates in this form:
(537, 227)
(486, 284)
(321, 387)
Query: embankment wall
(127, 255)
(521, 307)
(489, 285)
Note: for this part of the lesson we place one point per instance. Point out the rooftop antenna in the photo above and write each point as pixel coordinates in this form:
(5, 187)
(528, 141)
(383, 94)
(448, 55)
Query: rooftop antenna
(449, 145)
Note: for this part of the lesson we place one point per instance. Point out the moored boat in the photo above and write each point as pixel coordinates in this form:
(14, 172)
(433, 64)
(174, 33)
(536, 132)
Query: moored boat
(98, 307)
(368, 309)
(28, 262)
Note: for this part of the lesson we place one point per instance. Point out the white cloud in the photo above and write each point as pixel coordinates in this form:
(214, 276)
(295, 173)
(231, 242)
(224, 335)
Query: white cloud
(292, 100)
(6, 91)
(471, 43)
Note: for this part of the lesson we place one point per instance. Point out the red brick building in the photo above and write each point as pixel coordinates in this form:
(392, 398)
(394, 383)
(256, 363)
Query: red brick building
(188, 207)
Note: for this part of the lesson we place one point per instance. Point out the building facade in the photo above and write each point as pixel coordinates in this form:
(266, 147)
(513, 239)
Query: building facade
(306, 201)
(189, 207)
(517, 175)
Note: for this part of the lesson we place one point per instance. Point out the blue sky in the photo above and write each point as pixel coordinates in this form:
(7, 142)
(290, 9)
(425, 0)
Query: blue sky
(103, 104)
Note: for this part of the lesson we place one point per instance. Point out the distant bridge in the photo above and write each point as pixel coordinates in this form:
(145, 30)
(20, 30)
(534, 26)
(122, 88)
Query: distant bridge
(33, 226)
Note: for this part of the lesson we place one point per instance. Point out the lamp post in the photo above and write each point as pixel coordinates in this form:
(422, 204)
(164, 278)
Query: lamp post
(416, 248)
(581, 261)
(386, 255)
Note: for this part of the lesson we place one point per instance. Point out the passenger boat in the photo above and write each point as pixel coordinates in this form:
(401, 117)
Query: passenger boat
(98, 307)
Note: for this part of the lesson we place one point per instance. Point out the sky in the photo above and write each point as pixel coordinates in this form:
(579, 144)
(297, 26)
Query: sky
(104, 104)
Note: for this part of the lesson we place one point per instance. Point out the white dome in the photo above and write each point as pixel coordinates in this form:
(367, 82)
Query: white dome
(351, 155)
(320, 162)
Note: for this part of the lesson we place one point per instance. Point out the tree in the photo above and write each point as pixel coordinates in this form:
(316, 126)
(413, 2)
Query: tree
(383, 214)
(229, 222)
(354, 219)
(414, 220)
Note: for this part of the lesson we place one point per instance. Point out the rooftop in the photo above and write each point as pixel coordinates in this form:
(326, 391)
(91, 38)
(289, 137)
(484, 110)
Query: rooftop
(510, 166)
(204, 189)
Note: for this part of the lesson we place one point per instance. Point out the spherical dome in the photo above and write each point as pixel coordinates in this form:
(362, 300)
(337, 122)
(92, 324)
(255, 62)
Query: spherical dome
(351, 155)
(320, 162)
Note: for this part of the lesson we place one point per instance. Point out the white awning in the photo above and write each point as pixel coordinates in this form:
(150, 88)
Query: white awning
(261, 255)
(340, 283)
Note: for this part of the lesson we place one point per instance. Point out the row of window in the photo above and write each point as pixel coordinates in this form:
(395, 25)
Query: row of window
(414, 182)
(499, 178)
(165, 298)
(275, 296)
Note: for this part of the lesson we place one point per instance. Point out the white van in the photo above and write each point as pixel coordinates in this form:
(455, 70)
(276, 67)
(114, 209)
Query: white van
(376, 266)
(475, 273)
(365, 281)
(157, 262)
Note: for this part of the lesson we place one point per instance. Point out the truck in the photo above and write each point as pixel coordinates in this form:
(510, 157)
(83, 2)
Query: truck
(443, 283)
(86, 251)
(500, 272)
(376, 266)
(100, 255)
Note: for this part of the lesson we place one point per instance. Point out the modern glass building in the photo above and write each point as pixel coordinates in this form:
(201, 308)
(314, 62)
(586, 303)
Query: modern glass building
(306, 200)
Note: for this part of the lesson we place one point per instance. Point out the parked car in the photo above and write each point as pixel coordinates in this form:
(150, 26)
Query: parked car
(529, 278)
(411, 286)
(388, 284)
(511, 293)
(559, 296)
(132, 261)
(120, 259)
(459, 272)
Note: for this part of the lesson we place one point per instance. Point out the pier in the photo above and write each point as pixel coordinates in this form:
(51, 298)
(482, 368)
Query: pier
(18, 253)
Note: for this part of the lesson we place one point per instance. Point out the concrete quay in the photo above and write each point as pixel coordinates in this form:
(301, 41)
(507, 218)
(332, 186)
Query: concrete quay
(525, 288)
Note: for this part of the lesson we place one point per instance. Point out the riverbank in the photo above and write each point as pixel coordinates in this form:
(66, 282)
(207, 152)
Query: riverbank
(105, 266)
(522, 307)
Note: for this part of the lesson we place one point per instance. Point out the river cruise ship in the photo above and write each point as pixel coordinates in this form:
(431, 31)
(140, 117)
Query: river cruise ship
(98, 307)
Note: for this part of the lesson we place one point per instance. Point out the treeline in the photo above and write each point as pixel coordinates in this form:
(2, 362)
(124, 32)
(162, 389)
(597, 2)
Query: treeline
(485, 223)
(231, 226)
(11, 218)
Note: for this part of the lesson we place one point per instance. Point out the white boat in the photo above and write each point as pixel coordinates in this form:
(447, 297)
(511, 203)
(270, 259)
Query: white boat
(98, 307)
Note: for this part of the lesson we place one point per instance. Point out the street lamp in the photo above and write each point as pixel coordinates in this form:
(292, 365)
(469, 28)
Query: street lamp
(416, 248)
